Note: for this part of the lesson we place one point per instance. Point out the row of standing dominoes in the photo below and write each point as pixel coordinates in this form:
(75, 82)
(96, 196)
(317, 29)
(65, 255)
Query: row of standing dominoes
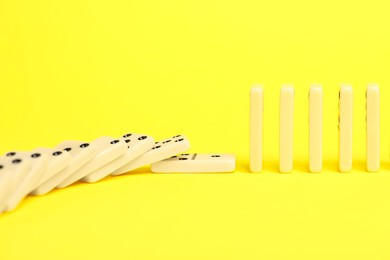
(39, 171)
(315, 128)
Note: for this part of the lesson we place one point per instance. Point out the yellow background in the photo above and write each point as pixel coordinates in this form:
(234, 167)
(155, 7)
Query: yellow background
(83, 69)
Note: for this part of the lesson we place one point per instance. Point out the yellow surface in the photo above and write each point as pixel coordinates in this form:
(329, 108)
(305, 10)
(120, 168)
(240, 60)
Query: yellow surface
(82, 69)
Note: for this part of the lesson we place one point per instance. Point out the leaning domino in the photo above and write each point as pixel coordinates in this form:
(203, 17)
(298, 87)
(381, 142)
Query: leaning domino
(109, 149)
(160, 151)
(58, 161)
(256, 129)
(373, 128)
(345, 128)
(137, 145)
(16, 169)
(5, 173)
(286, 129)
(81, 153)
(315, 129)
(38, 165)
(196, 163)
(5, 176)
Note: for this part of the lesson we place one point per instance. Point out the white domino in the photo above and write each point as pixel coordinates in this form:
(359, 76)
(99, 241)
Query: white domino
(256, 129)
(58, 161)
(315, 129)
(14, 170)
(345, 128)
(38, 165)
(160, 151)
(286, 129)
(81, 153)
(109, 150)
(373, 128)
(196, 163)
(5, 177)
(137, 145)
(4, 173)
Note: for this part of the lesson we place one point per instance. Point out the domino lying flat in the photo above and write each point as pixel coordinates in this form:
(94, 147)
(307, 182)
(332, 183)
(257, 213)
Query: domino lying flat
(136, 145)
(196, 163)
(160, 151)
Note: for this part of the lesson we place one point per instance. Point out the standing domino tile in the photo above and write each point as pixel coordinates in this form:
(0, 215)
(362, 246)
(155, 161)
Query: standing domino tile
(286, 129)
(58, 161)
(160, 151)
(256, 129)
(373, 128)
(315, 128)
(196, 163)
(109, 150)
(345, 128)
(38, 165)
(16, 169)
(136, 145)
(81, 153)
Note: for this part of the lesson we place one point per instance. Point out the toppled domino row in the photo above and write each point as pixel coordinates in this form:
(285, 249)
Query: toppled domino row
(41, 170)
(286, 130)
